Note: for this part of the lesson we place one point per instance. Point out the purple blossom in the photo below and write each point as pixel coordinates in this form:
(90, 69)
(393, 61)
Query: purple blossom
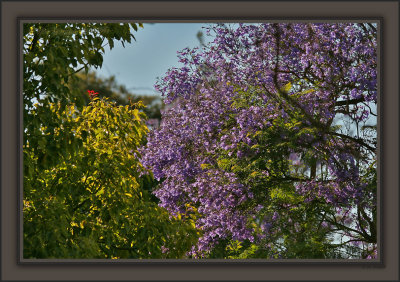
(226, 94)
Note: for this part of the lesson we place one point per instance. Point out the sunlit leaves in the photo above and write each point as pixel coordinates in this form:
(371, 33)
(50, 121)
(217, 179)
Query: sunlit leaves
(89, 202)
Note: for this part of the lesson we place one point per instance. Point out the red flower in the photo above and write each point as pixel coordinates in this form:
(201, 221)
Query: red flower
(92, 94)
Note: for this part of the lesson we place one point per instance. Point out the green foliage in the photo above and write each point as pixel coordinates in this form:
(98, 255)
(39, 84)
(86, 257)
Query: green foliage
(53, 53)
(297, 230)
(83, 194)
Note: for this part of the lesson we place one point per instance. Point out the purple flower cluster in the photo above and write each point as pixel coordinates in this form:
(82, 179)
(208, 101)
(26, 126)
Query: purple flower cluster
(343, 186)
(251, 79)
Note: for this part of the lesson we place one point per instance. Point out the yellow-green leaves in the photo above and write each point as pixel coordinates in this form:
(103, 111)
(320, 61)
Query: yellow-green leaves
(286, 88)
(88, 196)
(224, 164)
(206, 166)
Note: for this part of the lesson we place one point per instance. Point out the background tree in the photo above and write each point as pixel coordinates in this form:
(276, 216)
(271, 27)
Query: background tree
(108, 87)
(271, 139)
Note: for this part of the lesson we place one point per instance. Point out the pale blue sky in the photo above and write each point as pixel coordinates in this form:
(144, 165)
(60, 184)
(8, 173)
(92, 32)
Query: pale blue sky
(138, 65)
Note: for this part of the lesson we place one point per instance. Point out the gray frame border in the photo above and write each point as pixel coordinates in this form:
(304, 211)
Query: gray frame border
(219, 271)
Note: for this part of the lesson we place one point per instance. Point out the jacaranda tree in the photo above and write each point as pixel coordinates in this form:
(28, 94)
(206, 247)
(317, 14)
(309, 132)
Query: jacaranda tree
(271, 140)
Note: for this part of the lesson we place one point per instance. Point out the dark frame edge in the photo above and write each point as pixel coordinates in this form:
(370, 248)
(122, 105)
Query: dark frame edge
(20, 146)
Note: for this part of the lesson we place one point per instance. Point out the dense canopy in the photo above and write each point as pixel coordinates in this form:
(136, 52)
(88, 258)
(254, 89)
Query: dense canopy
(271, 139)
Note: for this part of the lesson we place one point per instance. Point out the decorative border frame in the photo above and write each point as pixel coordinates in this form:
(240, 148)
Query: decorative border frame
(12, 269)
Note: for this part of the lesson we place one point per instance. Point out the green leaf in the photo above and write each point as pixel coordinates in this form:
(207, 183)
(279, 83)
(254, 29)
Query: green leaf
(287, 87)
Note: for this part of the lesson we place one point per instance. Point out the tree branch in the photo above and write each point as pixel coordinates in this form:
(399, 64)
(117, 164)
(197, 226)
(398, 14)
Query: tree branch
(358, 141)
(349, 102)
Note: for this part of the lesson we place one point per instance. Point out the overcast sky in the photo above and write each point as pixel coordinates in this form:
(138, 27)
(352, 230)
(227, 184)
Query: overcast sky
(138, 65)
